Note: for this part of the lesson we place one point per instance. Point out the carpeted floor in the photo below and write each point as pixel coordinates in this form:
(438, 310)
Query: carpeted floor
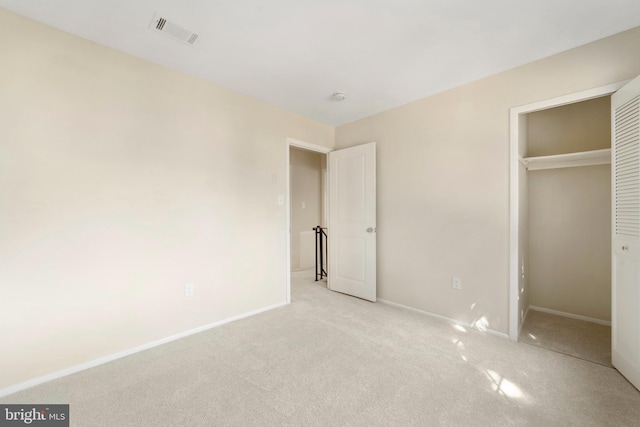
(331, 360)
(585, 340)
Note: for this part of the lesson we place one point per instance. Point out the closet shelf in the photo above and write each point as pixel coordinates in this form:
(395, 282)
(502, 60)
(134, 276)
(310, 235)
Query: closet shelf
(570, 160)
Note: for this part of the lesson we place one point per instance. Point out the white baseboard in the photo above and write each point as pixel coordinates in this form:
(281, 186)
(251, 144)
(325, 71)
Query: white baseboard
(570, 315)
(102, 360)
(446, 319)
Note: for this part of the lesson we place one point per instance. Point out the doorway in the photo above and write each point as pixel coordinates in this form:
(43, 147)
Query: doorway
(351, 218)
(305, 203)
(569, 230)
(307, 169)
(520, 166)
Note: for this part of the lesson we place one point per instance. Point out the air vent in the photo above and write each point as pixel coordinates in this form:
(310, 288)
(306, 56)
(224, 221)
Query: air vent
(160, 24)
(173, 30)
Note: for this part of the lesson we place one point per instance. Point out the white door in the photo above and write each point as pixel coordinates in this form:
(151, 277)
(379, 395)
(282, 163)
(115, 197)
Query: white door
(352, 221)
(625, 161)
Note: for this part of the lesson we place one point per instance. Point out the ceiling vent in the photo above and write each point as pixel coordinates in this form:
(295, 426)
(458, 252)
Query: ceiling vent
(175, 31)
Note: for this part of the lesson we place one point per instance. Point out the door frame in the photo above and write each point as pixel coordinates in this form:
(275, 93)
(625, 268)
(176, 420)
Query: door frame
(514, 186)
(289, 143)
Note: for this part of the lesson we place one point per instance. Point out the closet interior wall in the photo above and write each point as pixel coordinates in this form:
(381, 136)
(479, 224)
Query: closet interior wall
(569, 212)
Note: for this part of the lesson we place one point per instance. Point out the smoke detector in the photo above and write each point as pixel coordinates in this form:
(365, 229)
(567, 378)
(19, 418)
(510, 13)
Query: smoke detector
(339, 96)
(173, 30)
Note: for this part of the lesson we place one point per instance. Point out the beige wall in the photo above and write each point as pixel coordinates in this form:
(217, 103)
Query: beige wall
(306, 187)
(443, 179)
(123, 181)
(582, 126)
(570, 212)
(570, 240)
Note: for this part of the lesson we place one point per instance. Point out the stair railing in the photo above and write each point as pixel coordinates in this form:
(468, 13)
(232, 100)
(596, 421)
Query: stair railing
(322, 264)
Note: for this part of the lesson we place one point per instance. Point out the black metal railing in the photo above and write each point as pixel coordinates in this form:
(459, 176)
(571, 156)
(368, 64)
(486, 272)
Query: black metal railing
(321, 253)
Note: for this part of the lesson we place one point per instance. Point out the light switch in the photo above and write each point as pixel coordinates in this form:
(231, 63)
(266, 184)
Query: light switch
(304, 205)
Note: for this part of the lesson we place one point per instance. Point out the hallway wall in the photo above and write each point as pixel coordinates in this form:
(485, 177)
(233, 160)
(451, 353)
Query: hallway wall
(306, 205)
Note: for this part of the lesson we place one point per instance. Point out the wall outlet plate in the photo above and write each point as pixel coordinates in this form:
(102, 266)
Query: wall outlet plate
(456, 282)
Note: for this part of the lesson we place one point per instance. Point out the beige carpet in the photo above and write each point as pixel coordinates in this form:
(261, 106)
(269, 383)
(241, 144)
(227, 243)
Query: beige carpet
(331, 360)
(578, 338)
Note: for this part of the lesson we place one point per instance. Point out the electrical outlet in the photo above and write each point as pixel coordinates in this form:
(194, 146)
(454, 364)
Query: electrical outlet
(456, 282)
(188, 290)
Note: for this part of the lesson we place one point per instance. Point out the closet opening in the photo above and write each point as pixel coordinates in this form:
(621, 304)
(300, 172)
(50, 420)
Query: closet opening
(569, 230)
(560, 265)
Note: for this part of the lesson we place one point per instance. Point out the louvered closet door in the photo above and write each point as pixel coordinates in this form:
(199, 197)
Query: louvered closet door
(625, 314)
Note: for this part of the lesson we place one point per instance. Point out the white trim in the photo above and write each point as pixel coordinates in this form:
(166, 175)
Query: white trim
(514, 218)
(308, 146)
(585, 158)
(446, 319)
(325, 195)
(292, 142)
(106, 359)
(570, 315)
(514, 161)
(571, 98)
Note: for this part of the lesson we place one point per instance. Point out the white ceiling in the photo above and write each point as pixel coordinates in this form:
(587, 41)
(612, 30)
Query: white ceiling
(382, 53)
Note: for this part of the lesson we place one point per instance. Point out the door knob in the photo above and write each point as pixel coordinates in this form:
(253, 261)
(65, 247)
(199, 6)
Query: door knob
(625, 247)
(371, 230)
